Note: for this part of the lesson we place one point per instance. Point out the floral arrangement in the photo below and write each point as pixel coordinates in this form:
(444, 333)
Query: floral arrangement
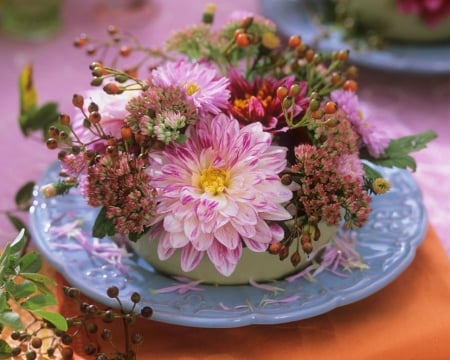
(391, 20)
(235, 138)
(430, 11)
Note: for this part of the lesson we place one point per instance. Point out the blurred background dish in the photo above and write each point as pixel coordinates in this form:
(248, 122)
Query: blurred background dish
(305, 17)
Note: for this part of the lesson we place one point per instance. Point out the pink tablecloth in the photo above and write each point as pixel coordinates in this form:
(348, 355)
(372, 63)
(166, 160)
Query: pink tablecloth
(404, 103)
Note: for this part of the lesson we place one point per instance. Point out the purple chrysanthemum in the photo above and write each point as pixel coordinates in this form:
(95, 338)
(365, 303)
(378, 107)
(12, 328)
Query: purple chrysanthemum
(201, 82)
(218, 191)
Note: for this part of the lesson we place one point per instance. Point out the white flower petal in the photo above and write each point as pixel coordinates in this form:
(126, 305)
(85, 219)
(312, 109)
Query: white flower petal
(227, 236)
(190, 258)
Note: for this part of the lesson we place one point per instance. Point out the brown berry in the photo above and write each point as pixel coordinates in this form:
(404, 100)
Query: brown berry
(36, 342)
(146, 311)
(93, 107)
(67, 353)
(112, 292)
(283, 253)
(78, 101)
(295, 258)
(64, 119)
(286, 179)
(52, 144)
(94, 117)
(112, 30)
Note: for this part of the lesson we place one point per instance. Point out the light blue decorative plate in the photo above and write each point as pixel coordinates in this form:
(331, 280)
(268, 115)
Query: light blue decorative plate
(299, 17)
(387, 243)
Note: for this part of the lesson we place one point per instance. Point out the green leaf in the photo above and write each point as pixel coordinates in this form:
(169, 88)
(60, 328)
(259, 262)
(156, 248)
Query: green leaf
(24, 195)
(103, 226)
(17, 223)
(5, 350)
(38, 278)
(40, 119)
(4, 306)
(18, 243)
(408, 144)
(371, 173)
(21, 290)
(39, 301)
(11, 320)
(397, 153)
(55, 318)
(402, 161)
(31, 262)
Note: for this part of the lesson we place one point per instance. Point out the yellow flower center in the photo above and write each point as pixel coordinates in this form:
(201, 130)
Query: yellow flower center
(262, 95)
(214, 181)
(192, 88)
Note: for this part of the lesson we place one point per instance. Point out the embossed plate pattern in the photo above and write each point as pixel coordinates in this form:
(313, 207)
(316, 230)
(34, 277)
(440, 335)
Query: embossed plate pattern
(298, 17)
(388, 244)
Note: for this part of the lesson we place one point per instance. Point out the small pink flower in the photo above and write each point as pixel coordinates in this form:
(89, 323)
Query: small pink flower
(113, 112)
(218, 191)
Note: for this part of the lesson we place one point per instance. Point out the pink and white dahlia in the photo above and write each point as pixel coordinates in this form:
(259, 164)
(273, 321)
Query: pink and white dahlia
(200, 81)
(218, 191)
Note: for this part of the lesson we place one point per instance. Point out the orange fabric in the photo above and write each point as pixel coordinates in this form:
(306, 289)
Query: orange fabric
(408, 319)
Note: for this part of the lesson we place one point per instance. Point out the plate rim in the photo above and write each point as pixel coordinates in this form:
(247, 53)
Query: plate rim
(238, 319)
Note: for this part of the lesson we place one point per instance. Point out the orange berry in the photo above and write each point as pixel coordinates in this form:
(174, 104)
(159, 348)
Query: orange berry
(350, 85)
(317, 114)
(294, 90)
(294, 41)
(125, 51)
(330, 107)
(274, 248)
(343, 55)
(141, 138)
(282, 92)
(126, 132)
(335, 78)
(352, 71)
(237, 32)
(81, 41)
(112, 89)
(242, 40)
(309, 56)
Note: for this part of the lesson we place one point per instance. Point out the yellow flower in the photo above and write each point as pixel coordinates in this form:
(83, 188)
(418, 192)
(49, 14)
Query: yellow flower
(381, 186)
